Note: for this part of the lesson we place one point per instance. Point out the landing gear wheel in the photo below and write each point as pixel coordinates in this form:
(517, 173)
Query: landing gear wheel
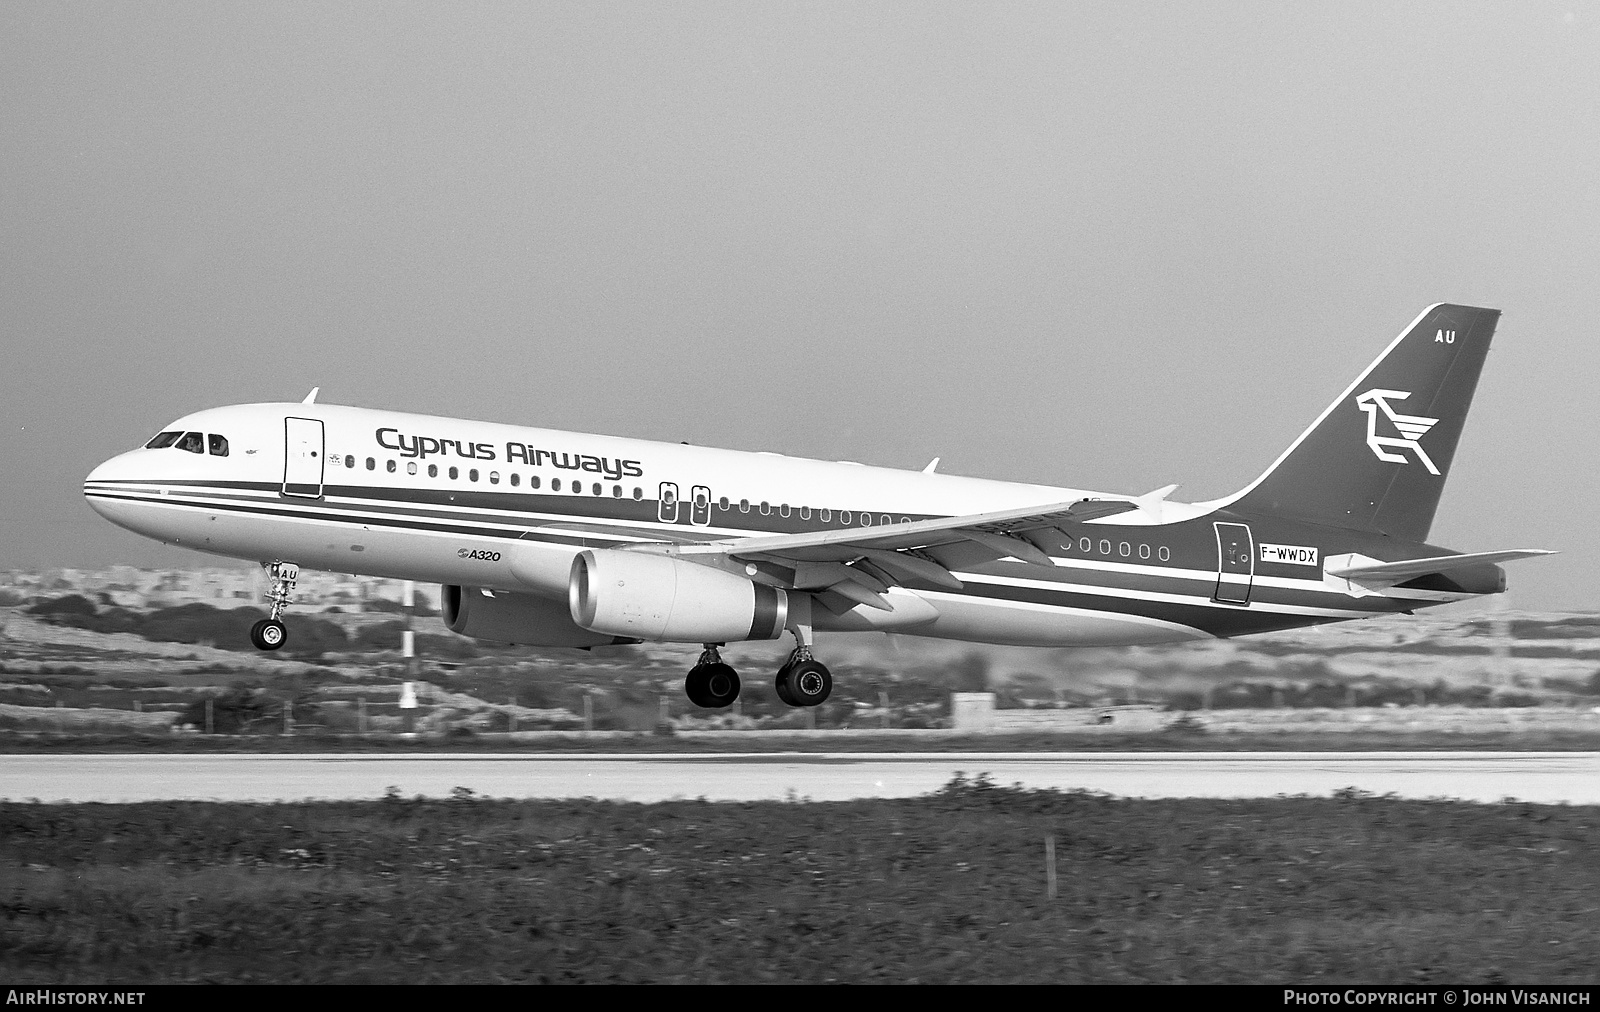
(807, 683)
(711, 683)
(719, 685)
(783, 691)
(268, 634)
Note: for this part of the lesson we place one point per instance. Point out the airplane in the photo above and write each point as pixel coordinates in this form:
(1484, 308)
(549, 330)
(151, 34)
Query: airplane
(567, 539)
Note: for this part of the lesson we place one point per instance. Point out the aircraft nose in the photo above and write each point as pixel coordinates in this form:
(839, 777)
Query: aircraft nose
(94, 485)
(98, 474)
(114, 469)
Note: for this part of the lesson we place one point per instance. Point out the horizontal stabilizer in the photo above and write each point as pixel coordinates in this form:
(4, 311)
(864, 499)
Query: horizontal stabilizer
(1397, 572)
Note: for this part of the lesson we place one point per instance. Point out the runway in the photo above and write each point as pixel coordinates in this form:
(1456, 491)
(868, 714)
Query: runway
(1548, 777)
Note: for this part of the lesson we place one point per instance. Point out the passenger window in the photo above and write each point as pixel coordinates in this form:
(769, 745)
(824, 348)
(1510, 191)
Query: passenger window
(722, 504)
(194, 442)
(744, 505)
(1163, 554)
(494, 477)
(783, 509)
(805, 513)
(1144, 551)
(555, 484)
(597, 490)
(433, 470)
(533, 481)
(372, 465)
(844, 517)
(162, 440)
(1123, 549)
(389, 466)
(218, 445)
(472, 475)
(516, 479)
(766, 507)
(1085, 545)
(616, 491)
(866, 519)
(638, 493)
(455, 472)
(827, 515)
(349, 461)
(577, 487)
(411, 467)
(886, 519)
(1105, 548)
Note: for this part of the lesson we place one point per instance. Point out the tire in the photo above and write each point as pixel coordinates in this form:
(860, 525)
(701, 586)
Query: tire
(783, 690)
(694, 685)
(720, 686)
(268, 634)
(809, 683)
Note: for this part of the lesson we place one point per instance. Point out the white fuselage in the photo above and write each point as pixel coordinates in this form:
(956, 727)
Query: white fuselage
(507, 508)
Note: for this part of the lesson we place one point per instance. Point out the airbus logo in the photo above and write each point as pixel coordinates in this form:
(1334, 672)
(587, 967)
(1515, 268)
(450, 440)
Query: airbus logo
(1410, 427)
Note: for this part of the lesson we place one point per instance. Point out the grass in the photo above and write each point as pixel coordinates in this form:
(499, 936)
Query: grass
(945, 888)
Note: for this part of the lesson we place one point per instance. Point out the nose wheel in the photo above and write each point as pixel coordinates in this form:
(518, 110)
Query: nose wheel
(270, 633)
(711, 683)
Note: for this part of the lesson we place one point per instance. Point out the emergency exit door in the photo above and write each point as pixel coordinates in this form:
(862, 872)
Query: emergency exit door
(302, 457)
(700, 506)
(667, 503)
(1236, 563)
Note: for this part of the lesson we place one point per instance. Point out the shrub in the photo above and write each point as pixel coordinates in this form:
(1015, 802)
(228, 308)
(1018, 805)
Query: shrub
(68, 604)
(383, 636)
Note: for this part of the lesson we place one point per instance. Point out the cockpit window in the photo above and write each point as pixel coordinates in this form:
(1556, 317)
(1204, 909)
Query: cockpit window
(194, 442)
(218, 445)
(162, 440)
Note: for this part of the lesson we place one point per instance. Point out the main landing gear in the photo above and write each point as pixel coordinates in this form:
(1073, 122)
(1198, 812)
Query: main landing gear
(269, 633)
(802, 681)
(711, 683)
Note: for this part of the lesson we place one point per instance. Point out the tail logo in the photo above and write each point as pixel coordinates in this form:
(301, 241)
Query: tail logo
(1410, 427)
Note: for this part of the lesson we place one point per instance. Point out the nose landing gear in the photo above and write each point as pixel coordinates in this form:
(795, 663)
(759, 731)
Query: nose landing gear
(269, 633)
(711, 683)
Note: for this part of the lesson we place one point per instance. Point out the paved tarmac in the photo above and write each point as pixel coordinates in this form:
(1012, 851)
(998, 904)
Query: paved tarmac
(1570, 777)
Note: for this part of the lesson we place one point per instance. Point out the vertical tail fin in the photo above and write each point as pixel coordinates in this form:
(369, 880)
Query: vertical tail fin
(1378, 457)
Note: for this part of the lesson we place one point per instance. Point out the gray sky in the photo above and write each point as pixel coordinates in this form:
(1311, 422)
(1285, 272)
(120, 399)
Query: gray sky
(1104, 245)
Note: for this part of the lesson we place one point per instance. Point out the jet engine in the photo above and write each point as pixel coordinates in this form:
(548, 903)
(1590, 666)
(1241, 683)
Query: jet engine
(516, 618)
(655, 597)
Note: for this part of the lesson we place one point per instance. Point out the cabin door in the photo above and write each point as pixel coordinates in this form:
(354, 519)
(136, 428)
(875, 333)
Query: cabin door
(1236, 563)
(302, 457)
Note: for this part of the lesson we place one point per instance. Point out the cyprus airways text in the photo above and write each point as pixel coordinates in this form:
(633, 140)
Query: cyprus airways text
(516, 453)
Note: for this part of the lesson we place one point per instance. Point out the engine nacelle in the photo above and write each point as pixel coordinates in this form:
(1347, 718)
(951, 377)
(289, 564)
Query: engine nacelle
(516, 618)
(655, 597)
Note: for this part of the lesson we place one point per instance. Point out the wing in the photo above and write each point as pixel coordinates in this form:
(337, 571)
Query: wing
(845, 568)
